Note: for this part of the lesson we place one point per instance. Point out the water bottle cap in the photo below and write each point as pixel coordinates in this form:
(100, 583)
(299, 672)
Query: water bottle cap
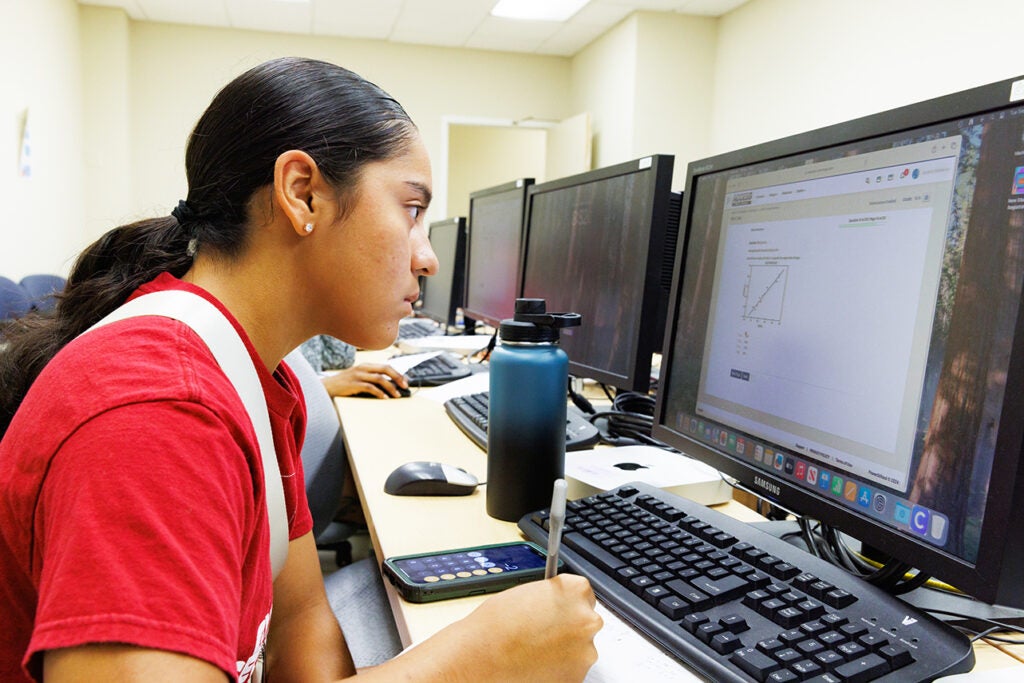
(532, 323)
(517, 331)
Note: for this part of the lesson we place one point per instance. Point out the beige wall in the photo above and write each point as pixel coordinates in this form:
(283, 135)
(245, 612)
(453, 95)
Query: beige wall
(675, 75)
(41, 226)
(647, 84)
(784, 66)
(603, 82)
(108, 179)
(176, 70)
(484, 156)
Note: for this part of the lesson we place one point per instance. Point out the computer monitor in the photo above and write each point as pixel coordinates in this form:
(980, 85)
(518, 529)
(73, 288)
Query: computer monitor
(602, 244)
(441, 295)
(493, 244)
(846, 336)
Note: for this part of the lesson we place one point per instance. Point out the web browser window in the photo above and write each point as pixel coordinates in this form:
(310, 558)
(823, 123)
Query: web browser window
(825, 261)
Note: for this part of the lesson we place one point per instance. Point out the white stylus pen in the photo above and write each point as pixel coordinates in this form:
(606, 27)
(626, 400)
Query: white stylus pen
(555, 523)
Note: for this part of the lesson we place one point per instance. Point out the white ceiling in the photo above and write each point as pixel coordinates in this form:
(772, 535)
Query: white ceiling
(448, 23)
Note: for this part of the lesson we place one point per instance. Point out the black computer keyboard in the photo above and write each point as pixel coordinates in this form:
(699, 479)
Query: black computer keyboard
(436, 370)
(470, 414)
(738, 604)
(413, 329)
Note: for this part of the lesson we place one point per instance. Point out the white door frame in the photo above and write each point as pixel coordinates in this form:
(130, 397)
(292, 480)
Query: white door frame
(441, 181)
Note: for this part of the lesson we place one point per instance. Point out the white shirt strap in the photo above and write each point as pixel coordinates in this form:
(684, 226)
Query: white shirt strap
(231, 354)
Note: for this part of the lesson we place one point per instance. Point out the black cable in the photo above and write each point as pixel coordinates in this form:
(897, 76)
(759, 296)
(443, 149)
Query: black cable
(998, 639)
(998, 625)
(914, 583)
(627, 423)
(808, 534)
(850, 560)
(625, 428)
(490, 347)
(634, 402)
(580, 401)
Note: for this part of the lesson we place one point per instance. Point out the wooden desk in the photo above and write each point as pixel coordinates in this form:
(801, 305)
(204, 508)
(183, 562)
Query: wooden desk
(381, 435)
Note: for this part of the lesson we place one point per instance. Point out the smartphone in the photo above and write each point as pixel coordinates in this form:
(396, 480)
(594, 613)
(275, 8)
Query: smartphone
(428, 577)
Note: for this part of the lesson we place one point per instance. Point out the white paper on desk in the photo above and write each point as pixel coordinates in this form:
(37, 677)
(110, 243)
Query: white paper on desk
(1005, 675)
(625, 655)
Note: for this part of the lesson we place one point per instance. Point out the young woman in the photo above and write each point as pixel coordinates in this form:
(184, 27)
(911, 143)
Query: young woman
(134, 539)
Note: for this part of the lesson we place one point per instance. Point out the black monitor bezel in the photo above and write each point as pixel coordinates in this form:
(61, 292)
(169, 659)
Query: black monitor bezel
(457, 263)
(469, 308)
(998, 573)
(649, 321)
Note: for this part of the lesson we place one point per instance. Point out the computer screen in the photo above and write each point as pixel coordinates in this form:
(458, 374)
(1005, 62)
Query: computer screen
(602, 244)
(441, 295)
(493, 244)
(845, 334)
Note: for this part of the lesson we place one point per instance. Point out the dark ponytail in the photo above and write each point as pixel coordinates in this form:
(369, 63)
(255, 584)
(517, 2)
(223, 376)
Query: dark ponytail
(341, 120)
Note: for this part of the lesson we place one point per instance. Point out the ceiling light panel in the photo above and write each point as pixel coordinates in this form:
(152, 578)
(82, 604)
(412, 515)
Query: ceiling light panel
(538, 10)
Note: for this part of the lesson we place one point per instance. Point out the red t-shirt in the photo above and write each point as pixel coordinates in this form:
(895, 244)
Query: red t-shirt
(131, 501)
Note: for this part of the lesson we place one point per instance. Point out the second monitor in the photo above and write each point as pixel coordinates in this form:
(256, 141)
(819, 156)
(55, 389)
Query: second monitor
(602, 244)
(493, 251)
(442, 294)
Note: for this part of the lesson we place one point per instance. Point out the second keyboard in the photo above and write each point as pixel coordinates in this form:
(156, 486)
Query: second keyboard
(470, 414)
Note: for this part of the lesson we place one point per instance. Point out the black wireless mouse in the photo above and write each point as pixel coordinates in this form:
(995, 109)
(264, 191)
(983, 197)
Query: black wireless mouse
(403, 392)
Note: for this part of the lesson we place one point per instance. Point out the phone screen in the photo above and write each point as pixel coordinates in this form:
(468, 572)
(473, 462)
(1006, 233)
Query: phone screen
(464, 564)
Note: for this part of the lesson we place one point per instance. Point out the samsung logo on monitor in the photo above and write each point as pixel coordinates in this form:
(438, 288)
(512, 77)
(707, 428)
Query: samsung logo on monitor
(774, 489)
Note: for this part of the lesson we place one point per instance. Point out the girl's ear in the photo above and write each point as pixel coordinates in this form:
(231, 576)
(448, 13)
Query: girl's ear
(294, 175)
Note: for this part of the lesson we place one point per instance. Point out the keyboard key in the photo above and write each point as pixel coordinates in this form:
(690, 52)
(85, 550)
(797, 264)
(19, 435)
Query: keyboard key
(691, 622)
(828, 659)
(734, 623)
(789, 617)
(674, 607)
(721, 589)
(770, 645)
(755, 664)
(897, 655)
(806, 668)
(696, 598)
(851, 651)
(602, 558)
(708, 630)
(866, 668)
(787, 655)
(873, 641)
(725, 642)
(839, 598)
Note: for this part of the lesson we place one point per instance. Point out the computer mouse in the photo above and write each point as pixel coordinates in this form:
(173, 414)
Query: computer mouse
(423, 478)
(403, 392)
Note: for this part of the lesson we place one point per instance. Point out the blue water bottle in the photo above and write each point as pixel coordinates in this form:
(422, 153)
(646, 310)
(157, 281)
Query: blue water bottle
(529, 375)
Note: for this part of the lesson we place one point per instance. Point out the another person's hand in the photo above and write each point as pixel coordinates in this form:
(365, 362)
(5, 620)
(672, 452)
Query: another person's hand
(369, 378)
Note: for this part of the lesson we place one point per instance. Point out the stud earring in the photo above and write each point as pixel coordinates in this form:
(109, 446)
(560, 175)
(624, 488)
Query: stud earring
(309, 228)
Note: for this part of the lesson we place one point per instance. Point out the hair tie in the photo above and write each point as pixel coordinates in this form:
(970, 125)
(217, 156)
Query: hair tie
(183, 212)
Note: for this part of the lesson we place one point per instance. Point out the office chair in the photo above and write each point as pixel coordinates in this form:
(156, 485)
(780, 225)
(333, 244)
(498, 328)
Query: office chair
(14, 300)
(42, 290)
(324, 462)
